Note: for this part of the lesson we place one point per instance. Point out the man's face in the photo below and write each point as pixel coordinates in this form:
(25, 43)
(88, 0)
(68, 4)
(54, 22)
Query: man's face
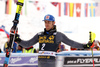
(49, 24)
(19, 48)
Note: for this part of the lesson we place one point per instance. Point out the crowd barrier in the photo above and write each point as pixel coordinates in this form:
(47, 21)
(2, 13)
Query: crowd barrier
(78, 59)
(64, 59)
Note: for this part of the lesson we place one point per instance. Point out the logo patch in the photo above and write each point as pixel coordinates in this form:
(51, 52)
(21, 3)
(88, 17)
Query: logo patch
(47, 17)
(51, 37)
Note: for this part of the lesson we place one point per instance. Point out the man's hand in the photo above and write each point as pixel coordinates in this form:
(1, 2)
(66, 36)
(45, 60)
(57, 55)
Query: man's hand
(17, 39)
(13, 30)
(88, 45)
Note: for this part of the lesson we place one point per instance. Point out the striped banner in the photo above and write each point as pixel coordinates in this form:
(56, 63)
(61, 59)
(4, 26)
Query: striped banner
(97, 9)
(86, 9)
(8, 6)
(59, 9)
(92, 9)
(65, 8)
(71, 9)
(78, 9)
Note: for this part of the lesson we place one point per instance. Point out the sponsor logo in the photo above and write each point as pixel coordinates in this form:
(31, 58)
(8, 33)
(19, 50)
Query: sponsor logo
(44, 57)
(14, 60)
(51, 37)
(32, 60)
(48, 57)
(46, 52)
(88, 60)
(47, 17)
(81, 60)
(42, 52)
(44, 39)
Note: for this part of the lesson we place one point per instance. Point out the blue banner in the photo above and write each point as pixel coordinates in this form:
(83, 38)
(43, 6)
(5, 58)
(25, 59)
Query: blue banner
(21, 61)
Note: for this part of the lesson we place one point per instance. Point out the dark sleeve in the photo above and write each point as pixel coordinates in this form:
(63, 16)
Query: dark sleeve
(70, 42)
(34, 50)
(0, 50)
(30, 42)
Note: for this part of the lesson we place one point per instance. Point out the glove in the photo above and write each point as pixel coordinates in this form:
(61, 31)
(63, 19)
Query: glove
(17, 39)
(88, 45)
(13, 29)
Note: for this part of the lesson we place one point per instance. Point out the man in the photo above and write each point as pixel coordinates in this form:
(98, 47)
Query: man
(19, 49)
(29, 50)
(49, 42)
(14, 49)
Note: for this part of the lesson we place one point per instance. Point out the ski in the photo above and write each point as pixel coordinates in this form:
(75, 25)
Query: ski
(13, 31)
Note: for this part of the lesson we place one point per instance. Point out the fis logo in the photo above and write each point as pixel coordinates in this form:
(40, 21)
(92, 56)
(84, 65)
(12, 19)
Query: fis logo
(47, 17)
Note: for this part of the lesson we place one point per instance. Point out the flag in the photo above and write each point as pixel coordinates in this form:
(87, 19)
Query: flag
(15, 1)
(59, 9)
(35, 2)
(86, 9)
(54, 3)
(41, 7)
(65, 8)
(97, 9)
(92, 9)
(78, 9)
(8, 6)
(2, 29)
(92, 36)
(71, 9)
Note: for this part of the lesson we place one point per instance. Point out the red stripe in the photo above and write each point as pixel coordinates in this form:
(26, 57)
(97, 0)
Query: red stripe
(59, 9)
(7, 7)
(7, 36)
(66, 13)
(93, 63)
(86, 9)
(1, 30)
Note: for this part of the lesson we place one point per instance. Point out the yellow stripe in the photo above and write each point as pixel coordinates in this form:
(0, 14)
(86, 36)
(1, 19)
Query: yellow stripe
(71, 9)
(22, 1)
(10, 6)
(19, 7)
(92, 7)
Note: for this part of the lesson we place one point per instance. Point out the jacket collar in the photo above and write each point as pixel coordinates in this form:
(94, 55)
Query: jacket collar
(51, 31)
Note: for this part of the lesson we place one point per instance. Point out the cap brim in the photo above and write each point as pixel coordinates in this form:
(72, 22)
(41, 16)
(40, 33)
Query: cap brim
(48, 20)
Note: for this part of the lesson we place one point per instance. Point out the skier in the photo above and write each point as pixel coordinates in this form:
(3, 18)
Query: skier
(49, 41)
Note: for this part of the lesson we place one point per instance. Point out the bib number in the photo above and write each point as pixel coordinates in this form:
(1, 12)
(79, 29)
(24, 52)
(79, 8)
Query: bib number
(43, 45)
